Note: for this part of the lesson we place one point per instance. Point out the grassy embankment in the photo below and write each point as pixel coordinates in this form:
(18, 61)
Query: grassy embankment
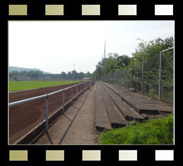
(155, 131)
(25, 85)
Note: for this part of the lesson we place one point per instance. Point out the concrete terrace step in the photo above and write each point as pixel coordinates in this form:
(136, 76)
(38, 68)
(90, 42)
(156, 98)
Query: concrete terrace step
(102, 120)
(148, 104)
(127, 112)
(139, 102)
(115, 117)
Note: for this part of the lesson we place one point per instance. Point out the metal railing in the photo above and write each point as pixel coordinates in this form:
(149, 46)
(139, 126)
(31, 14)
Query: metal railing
(80, 88)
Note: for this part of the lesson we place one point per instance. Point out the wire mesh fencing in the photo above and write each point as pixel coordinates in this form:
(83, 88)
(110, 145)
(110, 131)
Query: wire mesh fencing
(153, 76)
(167, 76)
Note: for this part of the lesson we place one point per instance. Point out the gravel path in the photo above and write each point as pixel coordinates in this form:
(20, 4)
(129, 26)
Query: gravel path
(82, 130)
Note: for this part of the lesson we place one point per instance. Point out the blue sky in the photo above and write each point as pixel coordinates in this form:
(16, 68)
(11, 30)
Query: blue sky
(55, 46)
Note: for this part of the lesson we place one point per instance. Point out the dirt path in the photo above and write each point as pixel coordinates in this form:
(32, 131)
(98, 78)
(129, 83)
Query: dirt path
(82, 130)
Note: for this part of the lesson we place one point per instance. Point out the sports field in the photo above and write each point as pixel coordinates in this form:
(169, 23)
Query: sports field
(25, 85)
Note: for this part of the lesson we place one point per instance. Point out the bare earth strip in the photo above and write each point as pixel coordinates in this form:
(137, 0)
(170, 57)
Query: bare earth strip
(82, 131)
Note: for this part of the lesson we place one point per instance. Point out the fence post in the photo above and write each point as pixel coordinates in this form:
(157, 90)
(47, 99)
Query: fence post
(142, 75)
(132, 80)
(120, 78)
(115, 78)
(125, 79)
(160, 76)
(47, 113)
(77, 91)
(63, 100)
(71, 95)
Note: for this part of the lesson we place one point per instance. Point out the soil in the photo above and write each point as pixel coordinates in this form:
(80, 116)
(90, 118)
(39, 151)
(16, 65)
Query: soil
(24, 117)
(82, 130)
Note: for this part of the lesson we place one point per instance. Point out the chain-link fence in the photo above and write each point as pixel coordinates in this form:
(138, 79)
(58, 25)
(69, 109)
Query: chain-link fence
(152, 76)
(167, 75)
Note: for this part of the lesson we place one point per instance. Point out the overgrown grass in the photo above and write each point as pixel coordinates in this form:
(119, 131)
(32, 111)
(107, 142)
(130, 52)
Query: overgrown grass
(155, 131)
(25, 85)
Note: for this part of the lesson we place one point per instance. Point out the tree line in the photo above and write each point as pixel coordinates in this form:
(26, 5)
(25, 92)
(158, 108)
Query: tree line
(30, 73)
(74, 75)
(71, 75)
(114, 61)
(141, 70)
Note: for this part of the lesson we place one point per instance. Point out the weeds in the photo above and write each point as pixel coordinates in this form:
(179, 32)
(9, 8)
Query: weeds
(154, 131)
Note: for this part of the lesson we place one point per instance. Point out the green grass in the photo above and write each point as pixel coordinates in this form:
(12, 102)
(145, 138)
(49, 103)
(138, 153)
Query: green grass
(25, 85)
(155, 131)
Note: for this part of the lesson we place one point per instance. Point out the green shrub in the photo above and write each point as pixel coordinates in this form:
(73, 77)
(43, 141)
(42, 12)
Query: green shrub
(155, 131)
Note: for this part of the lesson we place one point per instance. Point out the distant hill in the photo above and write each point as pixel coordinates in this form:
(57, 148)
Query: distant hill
(19, 69)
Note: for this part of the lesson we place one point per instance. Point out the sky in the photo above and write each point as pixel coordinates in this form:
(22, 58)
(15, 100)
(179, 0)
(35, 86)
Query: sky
(56, 46)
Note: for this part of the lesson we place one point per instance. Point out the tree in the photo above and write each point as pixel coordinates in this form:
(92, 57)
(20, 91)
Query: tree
(63, 75)
(69, 75)
(123, 61)
(14, 73)
(151, 48)
(88, 74)
(81, 75)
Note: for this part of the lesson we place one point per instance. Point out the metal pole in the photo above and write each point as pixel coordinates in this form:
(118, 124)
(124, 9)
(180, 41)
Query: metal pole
(132, 80)
(120, 77)
(47, 113)
(77, 91)
(167, 49)
(63, 100)
(71, 95)
(125, 79)
(143, 75)
(160, 76)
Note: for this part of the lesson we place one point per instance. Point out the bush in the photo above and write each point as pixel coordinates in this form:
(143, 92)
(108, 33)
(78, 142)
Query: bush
(155, 131)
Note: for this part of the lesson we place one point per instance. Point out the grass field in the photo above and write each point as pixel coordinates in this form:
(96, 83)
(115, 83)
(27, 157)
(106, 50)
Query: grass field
(25, 85)
(154, 131)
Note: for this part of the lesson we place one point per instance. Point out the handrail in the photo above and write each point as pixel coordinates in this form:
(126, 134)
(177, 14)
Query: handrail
(26, 100)
(52, 93)
(41, 96)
